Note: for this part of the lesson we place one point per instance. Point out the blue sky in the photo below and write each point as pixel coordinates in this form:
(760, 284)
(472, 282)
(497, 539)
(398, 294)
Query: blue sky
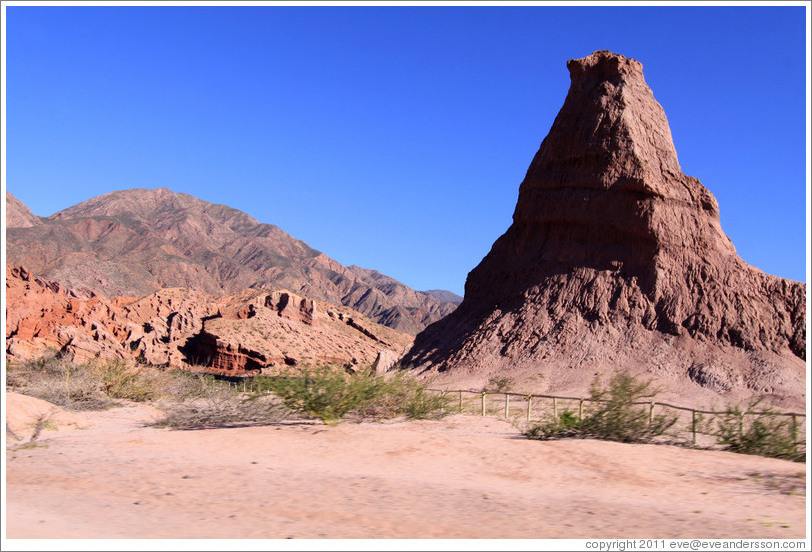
(395, 138)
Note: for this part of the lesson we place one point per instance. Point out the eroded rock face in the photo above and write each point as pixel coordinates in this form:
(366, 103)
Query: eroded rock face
(613, 248)
(42, 315)
(237, 334)
(273, 331)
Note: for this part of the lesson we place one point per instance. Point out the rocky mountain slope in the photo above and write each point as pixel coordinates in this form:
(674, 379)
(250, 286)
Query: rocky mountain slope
(135, 242)
(252, 331)
(18, 215)
(444, 295)
(617, 260)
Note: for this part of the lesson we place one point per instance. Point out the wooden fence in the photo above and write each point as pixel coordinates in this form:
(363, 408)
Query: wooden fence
(533, 407)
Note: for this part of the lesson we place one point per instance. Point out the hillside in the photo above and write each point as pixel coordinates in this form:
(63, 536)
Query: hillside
(135, 242)
(18, 215)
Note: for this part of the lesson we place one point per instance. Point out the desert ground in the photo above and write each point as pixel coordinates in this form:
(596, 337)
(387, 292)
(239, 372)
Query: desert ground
(108, 474)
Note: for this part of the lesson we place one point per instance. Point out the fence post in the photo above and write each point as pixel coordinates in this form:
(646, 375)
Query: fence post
(483, 403)
(581, 409)
(794, 430)
(555, 408)
(243, 385)
(507, 403)
(651, 413)
(529, 399)
(460, 400)
(693, 425)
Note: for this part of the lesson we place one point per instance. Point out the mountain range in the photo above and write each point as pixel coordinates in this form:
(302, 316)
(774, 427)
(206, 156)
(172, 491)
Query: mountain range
(135, 242)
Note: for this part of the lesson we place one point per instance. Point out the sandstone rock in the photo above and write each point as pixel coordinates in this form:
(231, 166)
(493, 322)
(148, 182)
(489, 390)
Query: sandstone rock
(243, 333)
(616, 259)
(384, 362)
(273, 331)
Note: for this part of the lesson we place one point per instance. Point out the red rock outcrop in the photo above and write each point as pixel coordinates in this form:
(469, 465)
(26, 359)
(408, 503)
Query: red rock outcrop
(616, 259)
(267, 332)
(43, 315)
(236, 334)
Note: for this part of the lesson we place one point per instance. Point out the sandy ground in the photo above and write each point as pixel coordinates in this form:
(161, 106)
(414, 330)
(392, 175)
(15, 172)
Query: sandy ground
(461, 477)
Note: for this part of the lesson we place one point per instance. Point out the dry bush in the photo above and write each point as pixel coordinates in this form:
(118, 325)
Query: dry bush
(200, 401)
(60, 381)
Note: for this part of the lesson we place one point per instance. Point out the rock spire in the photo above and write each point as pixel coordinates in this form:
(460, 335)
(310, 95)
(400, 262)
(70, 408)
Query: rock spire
(616, 259)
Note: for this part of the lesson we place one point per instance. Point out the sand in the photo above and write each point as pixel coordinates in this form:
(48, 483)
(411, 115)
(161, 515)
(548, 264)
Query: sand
(462, 477)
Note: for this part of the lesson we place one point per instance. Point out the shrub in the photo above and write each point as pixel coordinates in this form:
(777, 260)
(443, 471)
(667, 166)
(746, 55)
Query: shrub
(499, 384)
(60, 381)
(201, 401)
(96, 385)
(566, 425)
(759, 431)
(120, 380)
(423, 404)
(330, 394)
(615, 413)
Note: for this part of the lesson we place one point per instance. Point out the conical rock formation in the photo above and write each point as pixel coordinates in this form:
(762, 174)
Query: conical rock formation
(615, 259)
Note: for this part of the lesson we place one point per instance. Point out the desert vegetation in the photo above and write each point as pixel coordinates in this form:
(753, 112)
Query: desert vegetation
(332, 394)
(187, 399)
(325, 392)
(758, 430)
(614, 414)
(91, 386)
(618, 412)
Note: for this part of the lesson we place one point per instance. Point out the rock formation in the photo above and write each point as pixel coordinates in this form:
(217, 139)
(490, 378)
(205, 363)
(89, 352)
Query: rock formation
(237, 334)
(135, 242)
(616, 259)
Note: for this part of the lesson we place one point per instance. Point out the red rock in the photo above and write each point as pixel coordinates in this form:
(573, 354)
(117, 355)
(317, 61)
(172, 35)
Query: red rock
(236, 334)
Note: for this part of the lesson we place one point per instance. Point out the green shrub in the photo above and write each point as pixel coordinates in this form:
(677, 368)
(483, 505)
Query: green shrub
(424, 404)
(757, 430)
(566, 425)
(329, 393)
(499, 384)
(615, 413)
(120, 380)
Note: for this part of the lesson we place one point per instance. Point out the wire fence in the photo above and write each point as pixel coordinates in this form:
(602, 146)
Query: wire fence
(692, 425)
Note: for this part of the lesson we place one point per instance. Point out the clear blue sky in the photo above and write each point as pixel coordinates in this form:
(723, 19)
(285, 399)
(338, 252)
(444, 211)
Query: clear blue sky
(395, 138)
